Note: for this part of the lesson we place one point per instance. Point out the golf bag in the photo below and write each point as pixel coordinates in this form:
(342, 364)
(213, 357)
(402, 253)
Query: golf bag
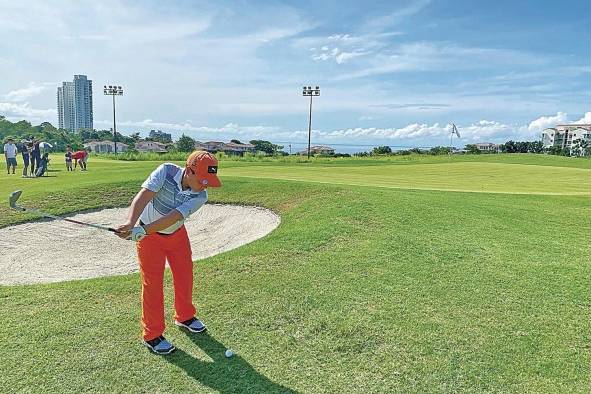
(42, 165)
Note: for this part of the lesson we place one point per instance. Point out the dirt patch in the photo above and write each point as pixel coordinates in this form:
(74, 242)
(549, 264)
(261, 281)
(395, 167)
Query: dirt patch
(55, 251)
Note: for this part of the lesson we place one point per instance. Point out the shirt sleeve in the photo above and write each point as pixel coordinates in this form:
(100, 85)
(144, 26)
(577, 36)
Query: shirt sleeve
(156, 179)
(191, 206)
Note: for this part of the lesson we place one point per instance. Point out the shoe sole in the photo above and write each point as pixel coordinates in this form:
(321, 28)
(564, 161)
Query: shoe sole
(172, 349)
(176, 323)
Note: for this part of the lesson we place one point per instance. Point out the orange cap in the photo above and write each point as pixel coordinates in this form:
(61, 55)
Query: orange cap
(205, 166)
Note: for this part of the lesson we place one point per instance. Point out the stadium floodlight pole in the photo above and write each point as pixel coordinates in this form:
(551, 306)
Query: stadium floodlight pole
(308, 91)
(454, 130)
(113, 90)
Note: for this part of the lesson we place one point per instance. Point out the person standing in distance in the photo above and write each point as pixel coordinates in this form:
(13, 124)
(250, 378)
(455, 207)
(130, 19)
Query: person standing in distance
(26, 147)
(35, 155)
(166, 199)
(10, 151)
(68, 157)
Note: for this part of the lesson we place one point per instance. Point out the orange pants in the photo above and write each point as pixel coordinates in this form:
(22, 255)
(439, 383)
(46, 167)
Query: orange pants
(153, 251)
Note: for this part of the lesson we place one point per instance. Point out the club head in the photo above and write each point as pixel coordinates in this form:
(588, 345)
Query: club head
(14, 196)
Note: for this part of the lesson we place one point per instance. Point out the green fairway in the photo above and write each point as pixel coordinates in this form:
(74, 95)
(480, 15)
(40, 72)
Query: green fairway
(382, 277)
(463, 176)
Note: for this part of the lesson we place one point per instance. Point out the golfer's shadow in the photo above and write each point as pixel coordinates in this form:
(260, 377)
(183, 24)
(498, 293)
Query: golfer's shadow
(226, 375)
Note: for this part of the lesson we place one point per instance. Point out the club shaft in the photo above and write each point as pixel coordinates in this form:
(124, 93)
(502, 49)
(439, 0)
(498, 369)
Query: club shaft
(48, 215)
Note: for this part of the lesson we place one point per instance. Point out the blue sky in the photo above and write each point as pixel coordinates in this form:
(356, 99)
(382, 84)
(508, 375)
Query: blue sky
(391, 72)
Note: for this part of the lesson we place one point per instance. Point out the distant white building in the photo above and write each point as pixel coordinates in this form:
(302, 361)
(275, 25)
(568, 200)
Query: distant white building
(233, 148)
(212, 146)
(160, 135)
(106, 146)
(318, 150)
(562, 136)
(200, 145)
(488, 147)
(151, 146)
(230, 148)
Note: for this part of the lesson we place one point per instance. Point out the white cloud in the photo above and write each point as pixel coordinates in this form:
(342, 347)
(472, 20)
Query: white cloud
(494, 130)
(345, 56)
(339, 56)
(547, 121)
(475, 132)
(437, 56)
(87, 37)
(344, 47)
(32, 90)
(585, 119)
(401, 14)
(18, 111)
(227, 130)
(561, 118)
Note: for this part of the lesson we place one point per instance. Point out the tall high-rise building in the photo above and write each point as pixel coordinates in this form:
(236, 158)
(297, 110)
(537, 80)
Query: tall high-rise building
(83, 102)
(65, 106)
(74, 104)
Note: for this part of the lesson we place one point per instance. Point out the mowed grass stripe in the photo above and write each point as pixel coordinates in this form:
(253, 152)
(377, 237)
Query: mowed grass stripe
(460, 177)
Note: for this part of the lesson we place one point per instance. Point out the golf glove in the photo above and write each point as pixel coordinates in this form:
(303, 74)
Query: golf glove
(137, 233)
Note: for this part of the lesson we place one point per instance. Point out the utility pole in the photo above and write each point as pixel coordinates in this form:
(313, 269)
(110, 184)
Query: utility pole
(113, 91)
(308, 91)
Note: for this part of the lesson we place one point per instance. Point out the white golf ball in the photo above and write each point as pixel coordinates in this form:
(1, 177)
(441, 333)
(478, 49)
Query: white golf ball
(229, 353)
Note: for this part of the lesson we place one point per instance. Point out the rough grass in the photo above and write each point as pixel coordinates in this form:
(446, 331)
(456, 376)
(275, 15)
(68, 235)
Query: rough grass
(361, 289)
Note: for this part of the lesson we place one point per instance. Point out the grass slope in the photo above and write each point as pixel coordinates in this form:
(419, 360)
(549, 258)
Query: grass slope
(362, 289)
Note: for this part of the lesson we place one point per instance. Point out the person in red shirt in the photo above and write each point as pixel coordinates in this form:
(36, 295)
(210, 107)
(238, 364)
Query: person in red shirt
(80, 156)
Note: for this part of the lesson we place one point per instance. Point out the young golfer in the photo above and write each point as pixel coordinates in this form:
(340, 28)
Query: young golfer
(167, 198)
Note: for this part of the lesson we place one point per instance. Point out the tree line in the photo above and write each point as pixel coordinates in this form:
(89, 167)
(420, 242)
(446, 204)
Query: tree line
(187, 144)
(58, 138)
(386, 150)
(578, 147)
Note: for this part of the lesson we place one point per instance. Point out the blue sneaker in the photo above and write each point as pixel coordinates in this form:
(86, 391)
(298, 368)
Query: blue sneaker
(193, 325)
(160, 345)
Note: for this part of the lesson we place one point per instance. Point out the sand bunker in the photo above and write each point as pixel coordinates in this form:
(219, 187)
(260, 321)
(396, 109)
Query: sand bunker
(54, 251)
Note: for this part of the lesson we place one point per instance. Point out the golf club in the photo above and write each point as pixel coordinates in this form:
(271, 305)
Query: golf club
(14, 196)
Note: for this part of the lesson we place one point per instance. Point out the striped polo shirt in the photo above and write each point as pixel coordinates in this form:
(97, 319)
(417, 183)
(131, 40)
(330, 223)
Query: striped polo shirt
(165, 181)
